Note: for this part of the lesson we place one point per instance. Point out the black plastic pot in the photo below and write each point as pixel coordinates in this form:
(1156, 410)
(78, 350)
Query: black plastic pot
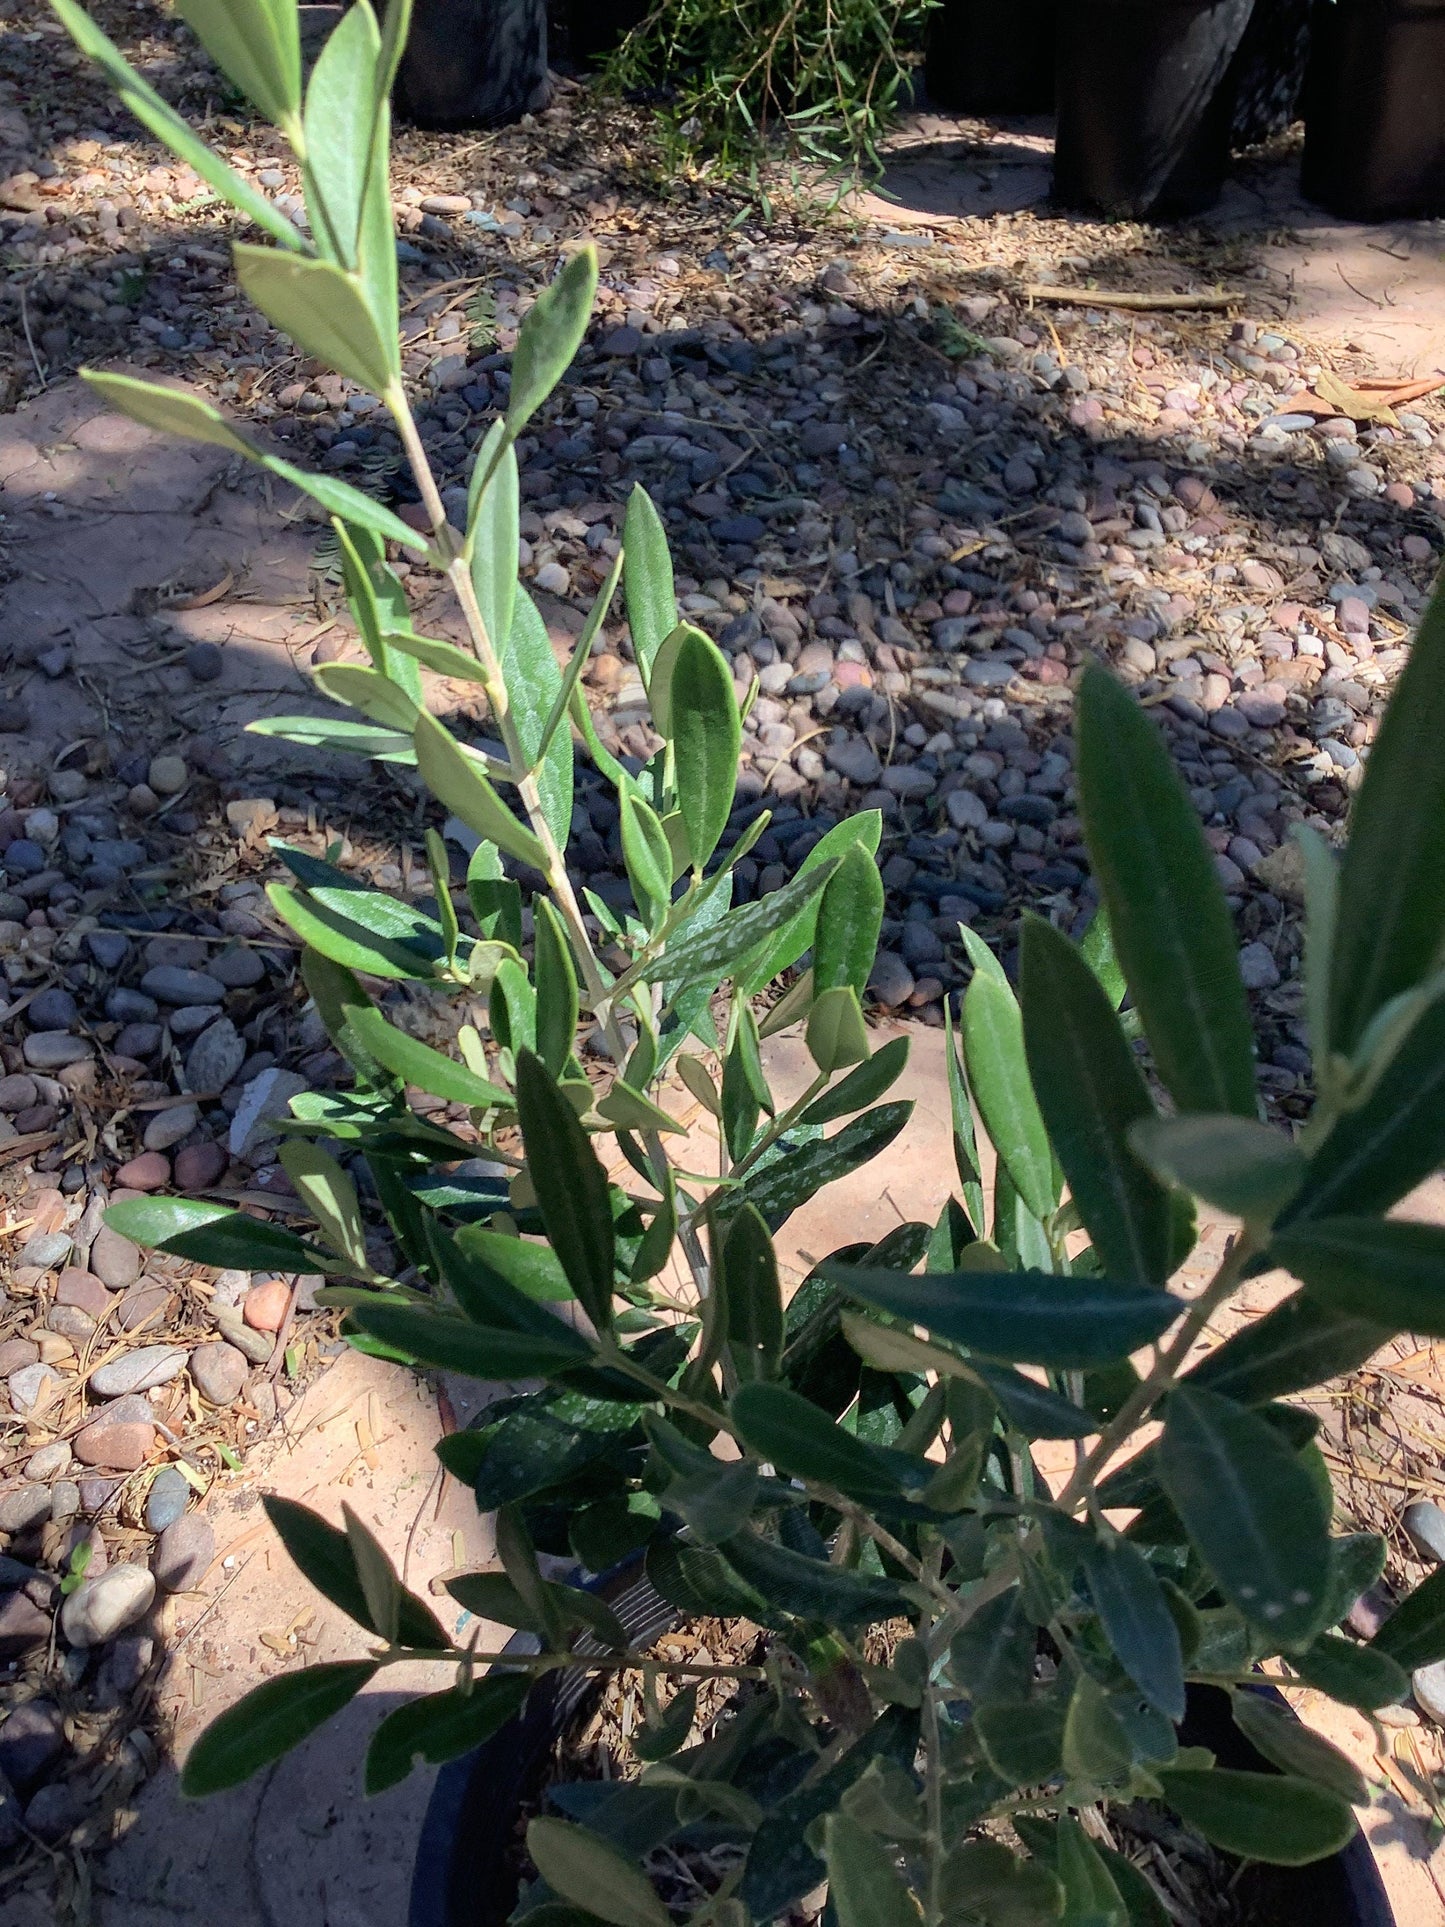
(991, 56)
(473, 63)
(464, 1875)
(1269, 70)
(1375, 109)
(596, 28)
(1145, 104)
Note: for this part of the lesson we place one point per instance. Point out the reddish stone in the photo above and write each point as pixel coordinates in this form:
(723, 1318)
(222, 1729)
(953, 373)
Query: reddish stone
(853, 675)
(118, 1447)
(16, 1353)
(264, 1307)
(148, 1172)
(198, 1166)
(83, 1290)
(47, 1211)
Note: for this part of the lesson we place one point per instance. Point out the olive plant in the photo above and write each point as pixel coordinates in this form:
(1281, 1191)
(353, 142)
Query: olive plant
(962, 1667)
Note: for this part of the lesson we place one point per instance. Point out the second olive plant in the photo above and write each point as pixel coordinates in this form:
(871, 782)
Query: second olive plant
(859, 1456)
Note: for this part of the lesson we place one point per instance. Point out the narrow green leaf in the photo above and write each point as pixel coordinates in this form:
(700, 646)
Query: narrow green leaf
(1288, 1743)
(163, 121)
(781, 1187)
(330, 1195)
(717, 950)
(213, 1234)
(324, 310)
(1242, 1166)
(779, 947)
(660, 1739)
(787, 1431)
(417, 1063)
(1414, 1634)
(1388, 1270)
(557, 995)
(550, 336)
(865, 1888)
(1379, 1150)
(998, 1077)
(1022, 1741)
(256, 42)
(647, 579)
(327, 1559)
(648, 858)
(983, 1879)
(581, 653)
(488, 1353)
(1260, 1816)
(752, 1294)
(444, 657)
(863, 1085)
(1137, 1622)
(836, 1033)
(338, 733)
(375, 695)
(341, 100)
(1365, 1677)
(992, 1657)
(1300, 1343)
(176, 412)
(699, 1581)
(571, 1187)
(583, 1868)
(706, 737)
(716, 1500)
(1391, 915)
(1028, 1318)
(271, 1720)
(1096, 1748)
(459, 786)
(811, 1588)
(534, 681)
(1251, 1508)
(850, 915)
(345, 940)
(527, 1267)
(1096, 947)
(965, 1145)
(1090, 1091)
(493, 532)
(440, 1727)
(1170, 923)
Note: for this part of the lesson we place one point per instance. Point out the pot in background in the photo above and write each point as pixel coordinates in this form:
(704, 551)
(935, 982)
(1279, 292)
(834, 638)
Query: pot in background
(1145, 104)
(474, 63)
(1375, 109)
(992, 56)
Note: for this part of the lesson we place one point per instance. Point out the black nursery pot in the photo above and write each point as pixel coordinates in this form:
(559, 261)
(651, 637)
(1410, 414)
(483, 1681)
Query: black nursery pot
(1145, 104)
(473, 63)
(596, 28)
(992, 56)
(1375, 109)
(465, 1876)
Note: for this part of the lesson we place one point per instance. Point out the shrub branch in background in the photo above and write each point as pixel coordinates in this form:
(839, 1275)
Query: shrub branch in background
(819, 78)
(861, 1455)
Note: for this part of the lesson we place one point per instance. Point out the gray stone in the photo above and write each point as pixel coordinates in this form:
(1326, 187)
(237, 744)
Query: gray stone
(127, 1661)
(114, 1259)
(103, 1607)
(1257, 967)
(191, 1019)
(891, 982)
(69, 1321)
(53, 1009)
(230, 1287)
(46, 1250)
(137, 1371)
(108, 947)
(125, 1006)
(966, 811)
(183, 1553)
(169, 984)
(855, 759)
(264, 1099)
(219, 1371)
(24, 1506)
(238, 969)
(169, 1126)
(215, 1057)
(907, 782)
(258, 1346)
(31, 1739)
(24, 1625)
(1427, 1683)
(17, 1092)
(1424, 1524)
(988, 672)
(54, 1811)
(167, 1499)
(52, 1050)
(64, 1501)
(205, 662)
(49, 1462)
(32, 1387)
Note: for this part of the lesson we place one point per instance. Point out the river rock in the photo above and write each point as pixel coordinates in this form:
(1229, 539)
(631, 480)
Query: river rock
(219, 1371)
(114, 1259)
(183, 1553)
(198, 1166)
(117, 1445)
(137, 1371)
(103, 1607)
(52, 1050)
(215, 1057)
(167, 1499)
(1424, 1524)
(23, 1626)
(24, 1506)
(170, 984)
(30, 1740)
